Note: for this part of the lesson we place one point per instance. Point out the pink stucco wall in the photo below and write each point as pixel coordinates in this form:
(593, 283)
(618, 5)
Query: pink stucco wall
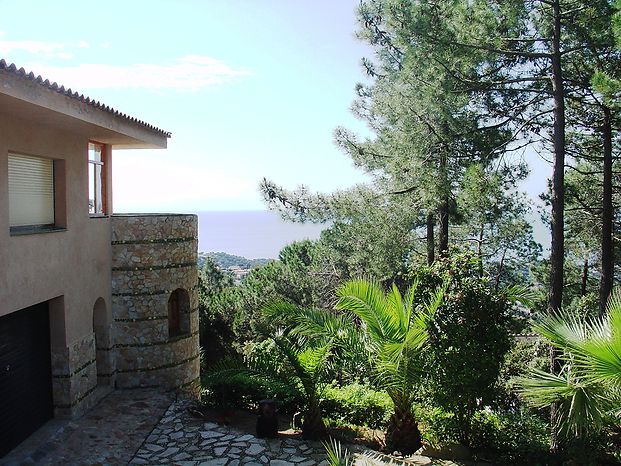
(74, 263)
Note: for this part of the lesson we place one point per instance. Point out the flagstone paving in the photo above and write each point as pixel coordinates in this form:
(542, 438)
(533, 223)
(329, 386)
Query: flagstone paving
(184, 440)
(181, 439)
(147, 427)
(109, 434)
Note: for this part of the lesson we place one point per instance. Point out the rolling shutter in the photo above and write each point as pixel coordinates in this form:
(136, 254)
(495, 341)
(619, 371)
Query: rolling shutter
(31, 191)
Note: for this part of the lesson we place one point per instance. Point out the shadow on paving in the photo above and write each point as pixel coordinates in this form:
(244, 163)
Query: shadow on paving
(109, 434)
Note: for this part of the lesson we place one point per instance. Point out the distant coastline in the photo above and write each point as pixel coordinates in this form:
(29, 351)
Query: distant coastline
(250, 234)
(260, 234)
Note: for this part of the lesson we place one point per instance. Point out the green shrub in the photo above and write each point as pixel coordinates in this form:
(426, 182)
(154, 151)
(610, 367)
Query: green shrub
(515, 438)
(438, 427)
(522, 356)
(245, 391)
(500, 437)
(468, 339)
(357, 404)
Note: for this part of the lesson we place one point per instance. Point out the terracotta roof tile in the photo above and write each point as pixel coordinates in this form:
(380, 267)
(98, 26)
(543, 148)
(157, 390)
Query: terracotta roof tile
(21, 72)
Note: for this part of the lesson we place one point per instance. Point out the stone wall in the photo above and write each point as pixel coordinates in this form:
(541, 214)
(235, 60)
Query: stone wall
(74, 377)
(152, 256)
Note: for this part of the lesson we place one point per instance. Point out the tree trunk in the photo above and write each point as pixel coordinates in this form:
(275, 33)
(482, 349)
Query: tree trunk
(585, 277)
(402, 434)
(500, 268)
(443, 210)
(605, 284)
(431, 244)
(557, 248)
(480, 250)
(443, 215)
(313, 427)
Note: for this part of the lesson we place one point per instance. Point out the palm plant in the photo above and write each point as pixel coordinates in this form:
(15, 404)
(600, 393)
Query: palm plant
(312, 335)
(588, 387)
(306, 362)
(394, 332)
(336, 454)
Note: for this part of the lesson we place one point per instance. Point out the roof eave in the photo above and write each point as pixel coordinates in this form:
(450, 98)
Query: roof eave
(62, 106)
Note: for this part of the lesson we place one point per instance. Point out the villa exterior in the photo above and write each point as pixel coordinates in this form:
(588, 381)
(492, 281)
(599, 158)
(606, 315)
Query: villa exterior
(89, 301)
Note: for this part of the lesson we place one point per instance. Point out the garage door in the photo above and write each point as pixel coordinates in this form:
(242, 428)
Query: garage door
(25, 374)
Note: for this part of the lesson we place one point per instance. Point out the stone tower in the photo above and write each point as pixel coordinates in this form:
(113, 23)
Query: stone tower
(154, 331)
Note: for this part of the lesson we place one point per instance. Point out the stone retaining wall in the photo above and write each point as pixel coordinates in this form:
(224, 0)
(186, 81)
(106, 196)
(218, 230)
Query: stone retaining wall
(74, 377)
(152, 256)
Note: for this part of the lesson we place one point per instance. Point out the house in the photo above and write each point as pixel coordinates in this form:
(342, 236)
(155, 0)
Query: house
(89, 300)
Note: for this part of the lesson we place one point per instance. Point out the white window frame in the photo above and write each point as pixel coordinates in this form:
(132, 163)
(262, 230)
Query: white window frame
(97, 181)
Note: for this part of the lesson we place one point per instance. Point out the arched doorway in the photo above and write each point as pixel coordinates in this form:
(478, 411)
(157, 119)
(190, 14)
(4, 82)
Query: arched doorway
(178, 313)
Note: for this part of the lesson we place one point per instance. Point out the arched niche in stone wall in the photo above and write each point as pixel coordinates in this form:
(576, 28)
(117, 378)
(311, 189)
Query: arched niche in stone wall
(101, 328)
(178, 313)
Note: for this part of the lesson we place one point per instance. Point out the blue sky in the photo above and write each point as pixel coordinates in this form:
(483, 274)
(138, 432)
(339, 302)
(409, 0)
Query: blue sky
(249, 89)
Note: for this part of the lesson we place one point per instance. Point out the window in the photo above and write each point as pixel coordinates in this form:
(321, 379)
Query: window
(31, 192)
(96, 179)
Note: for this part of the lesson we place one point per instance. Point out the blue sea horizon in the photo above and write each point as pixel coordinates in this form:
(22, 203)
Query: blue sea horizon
(253, 234)
(261, 234)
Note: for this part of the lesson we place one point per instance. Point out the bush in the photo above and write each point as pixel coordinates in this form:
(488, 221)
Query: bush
(468, 338)
(245, 391)
(514, 438)
(522, 356)
(500, 437)
(438, 427)
(357, 404)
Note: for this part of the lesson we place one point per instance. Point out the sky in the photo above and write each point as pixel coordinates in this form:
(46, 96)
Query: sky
(248, 88)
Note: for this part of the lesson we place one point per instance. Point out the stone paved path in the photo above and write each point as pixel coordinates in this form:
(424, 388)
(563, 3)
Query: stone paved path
(180, 439)
(183, 440)
(145, 427)
(109, 434)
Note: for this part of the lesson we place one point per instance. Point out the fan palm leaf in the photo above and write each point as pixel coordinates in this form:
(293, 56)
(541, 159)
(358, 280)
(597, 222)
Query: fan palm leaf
(589, 385)
(580, 405)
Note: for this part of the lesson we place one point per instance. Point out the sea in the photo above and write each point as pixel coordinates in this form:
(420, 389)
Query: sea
(262, 234)
(250, 234)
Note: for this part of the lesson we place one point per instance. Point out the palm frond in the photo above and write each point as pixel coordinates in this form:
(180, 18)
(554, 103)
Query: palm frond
(290, 351)
(312, 359)
(394, 333)
(319, 324)
(525, 295)
(399, 312)
(589, 385)
(307, 362)
(278, 309)
(600, 359)
(368, 302)
(541, 388)
(230, 368)
(562, 329)
(336, 454)
(613, 311)
(423, 318)
(582, 406)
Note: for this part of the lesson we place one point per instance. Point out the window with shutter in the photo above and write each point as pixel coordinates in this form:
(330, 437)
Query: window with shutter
(31, 191)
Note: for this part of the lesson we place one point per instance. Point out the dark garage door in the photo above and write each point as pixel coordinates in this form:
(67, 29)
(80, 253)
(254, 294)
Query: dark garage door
(25, 374)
